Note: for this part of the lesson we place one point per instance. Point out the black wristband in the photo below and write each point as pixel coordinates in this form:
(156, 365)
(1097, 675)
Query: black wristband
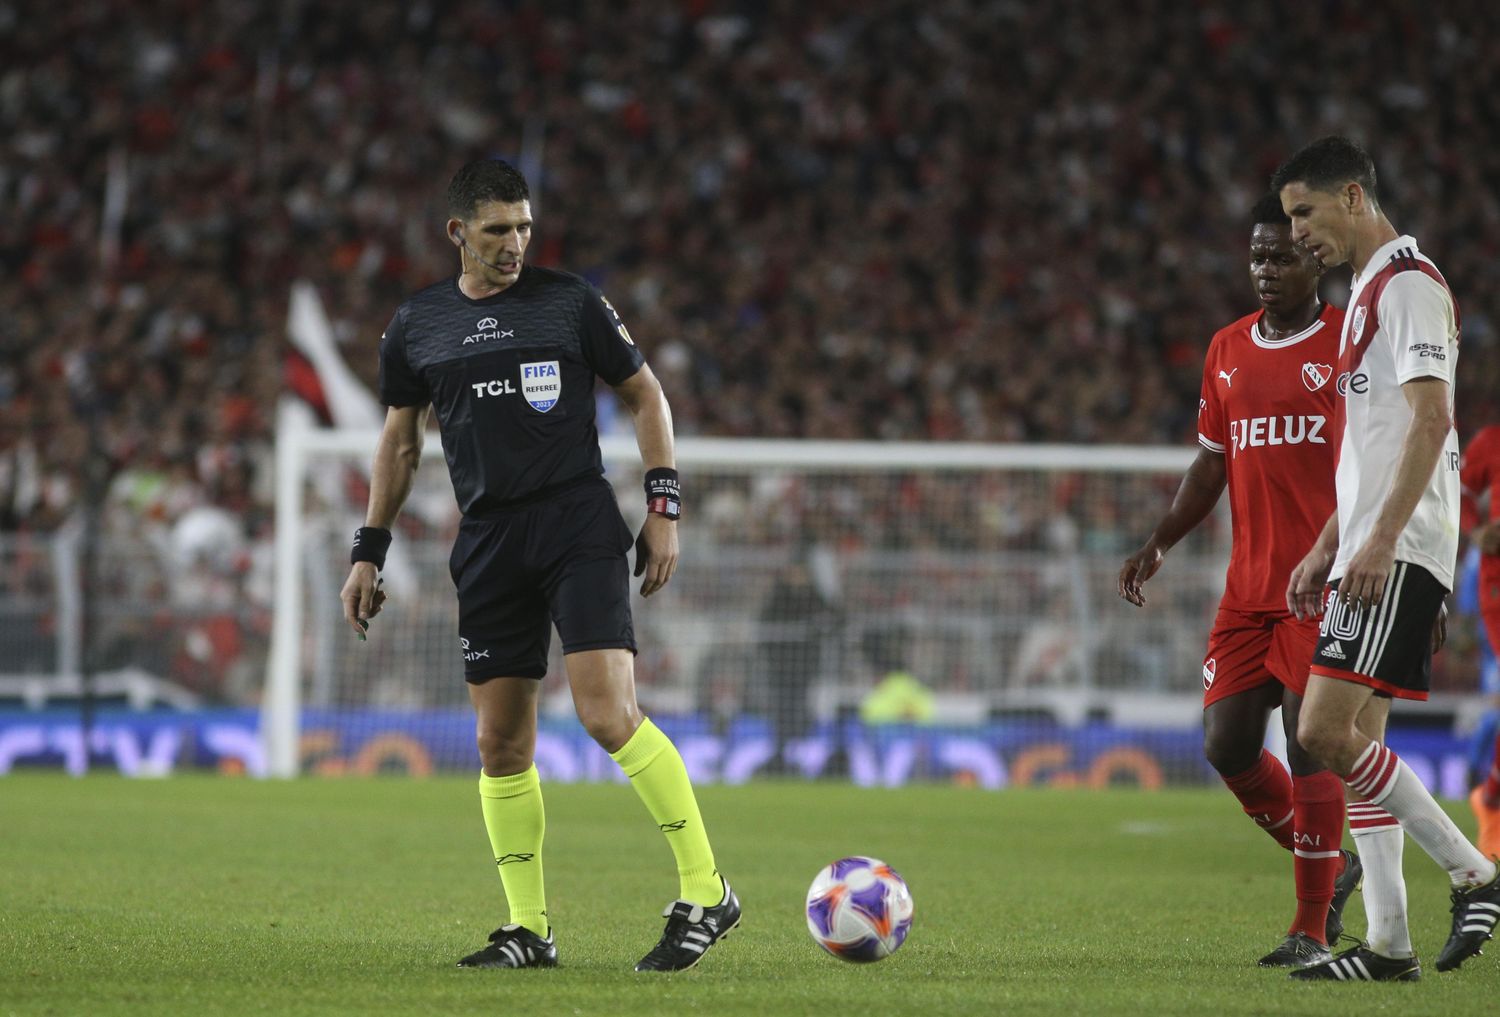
(663, 492)
(370, 544)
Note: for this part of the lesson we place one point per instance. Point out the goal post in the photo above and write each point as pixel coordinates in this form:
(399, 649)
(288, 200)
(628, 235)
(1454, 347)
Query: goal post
(945, 583)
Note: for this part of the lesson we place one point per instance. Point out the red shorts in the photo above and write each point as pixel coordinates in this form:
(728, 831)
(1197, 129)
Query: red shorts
(1248, 649)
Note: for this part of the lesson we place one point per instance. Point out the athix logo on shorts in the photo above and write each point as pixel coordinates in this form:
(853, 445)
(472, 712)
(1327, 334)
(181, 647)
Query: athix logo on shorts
(541, 384)
(1256, 432)
(1210, 668)
(1315, 376)
(489, 329)
(470, 654)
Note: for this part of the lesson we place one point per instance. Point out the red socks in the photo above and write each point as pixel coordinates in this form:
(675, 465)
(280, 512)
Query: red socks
(1305, 815)
(1265, 793)
(1317, 861)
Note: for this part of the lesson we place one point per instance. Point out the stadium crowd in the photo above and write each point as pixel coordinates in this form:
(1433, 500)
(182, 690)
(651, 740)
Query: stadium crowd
(990, 221)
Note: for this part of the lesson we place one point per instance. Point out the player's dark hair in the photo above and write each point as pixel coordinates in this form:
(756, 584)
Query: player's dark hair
(485, 180)
(1267, 211)
(1326, 165)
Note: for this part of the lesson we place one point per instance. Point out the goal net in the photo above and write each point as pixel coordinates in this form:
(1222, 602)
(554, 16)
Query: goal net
(880, 610)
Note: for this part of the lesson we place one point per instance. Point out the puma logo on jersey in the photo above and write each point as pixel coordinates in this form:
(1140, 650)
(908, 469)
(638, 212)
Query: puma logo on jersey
(1229, 377)
(1257, 432)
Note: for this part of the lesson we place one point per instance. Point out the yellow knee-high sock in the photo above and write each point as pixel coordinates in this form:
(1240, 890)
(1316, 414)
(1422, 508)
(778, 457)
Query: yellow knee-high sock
(656, 772)
(515, 821)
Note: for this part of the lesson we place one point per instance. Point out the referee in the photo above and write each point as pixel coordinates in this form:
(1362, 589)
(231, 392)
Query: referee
(508, 353)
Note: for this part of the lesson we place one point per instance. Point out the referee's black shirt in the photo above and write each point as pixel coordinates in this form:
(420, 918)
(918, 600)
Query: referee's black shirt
(512, 378)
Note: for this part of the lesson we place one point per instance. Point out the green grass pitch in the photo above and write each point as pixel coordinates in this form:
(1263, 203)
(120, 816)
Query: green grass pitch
(220, 896)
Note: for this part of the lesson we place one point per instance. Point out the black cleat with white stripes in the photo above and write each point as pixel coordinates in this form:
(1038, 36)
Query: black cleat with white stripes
(515, 946)
(1361, 964)
(691, 930)
(1474, 915)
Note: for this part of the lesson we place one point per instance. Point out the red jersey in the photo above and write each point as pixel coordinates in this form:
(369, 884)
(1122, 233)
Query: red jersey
(1268, 406)
(1479, 473)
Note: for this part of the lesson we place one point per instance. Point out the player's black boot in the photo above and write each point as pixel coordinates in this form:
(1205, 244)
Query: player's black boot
(1361, 964)
(691, 930)
(515, 946)
(1343, 889)
(1298, 951)
(1474, 914)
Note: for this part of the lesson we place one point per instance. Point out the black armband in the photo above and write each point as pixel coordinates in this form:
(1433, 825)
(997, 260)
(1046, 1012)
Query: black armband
(663, 492)
(370, 544)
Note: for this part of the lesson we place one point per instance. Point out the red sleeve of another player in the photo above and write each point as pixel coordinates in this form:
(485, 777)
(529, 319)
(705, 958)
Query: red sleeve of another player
(1476, 473)
(1211, 431)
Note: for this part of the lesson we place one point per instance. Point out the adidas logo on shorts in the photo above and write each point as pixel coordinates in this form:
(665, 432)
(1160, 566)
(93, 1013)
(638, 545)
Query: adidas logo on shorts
(1333, 651)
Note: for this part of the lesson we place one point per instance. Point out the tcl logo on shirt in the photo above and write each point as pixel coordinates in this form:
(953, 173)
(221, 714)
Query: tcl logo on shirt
(1258, 432)
(501, 387)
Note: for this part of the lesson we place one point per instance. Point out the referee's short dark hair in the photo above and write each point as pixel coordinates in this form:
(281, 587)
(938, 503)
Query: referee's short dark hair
(1326, 165)
(1267, 212)
(485, 180)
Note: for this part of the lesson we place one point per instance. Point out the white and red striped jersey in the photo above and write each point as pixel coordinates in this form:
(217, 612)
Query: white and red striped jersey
(1402, 324)
(1269, 406)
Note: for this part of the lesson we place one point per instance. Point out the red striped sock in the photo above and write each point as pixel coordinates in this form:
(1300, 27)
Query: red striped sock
(1265, 793)
(1491, 792)
(1380, 776)
(1374, 773)
(1364, 816)
(1317, 861)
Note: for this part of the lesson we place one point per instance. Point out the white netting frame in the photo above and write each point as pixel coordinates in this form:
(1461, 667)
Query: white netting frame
(1107, 647)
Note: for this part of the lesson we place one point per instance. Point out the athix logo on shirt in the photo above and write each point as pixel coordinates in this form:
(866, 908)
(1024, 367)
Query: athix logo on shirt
(1257, 432)
(1228, 377)
(1315, 376)
(541, 384)
(489, 328)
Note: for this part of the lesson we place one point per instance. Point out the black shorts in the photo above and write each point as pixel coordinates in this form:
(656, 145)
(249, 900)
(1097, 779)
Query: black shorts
(562, 561)
(1387, 647)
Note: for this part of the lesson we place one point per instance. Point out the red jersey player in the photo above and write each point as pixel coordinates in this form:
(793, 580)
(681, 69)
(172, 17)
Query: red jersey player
(1266, 424)
(1480, 476)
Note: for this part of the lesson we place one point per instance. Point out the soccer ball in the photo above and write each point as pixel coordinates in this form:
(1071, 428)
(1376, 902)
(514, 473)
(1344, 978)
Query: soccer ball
(859, 909)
